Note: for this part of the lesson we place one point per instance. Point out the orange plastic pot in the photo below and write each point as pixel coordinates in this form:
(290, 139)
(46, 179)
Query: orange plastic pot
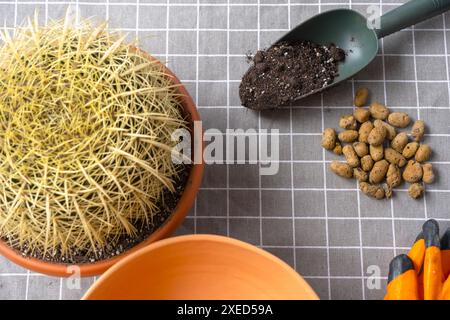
(200, 267)
(165, 230)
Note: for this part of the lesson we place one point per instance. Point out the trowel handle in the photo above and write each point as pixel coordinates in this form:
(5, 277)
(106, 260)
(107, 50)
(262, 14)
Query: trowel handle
(409, 14)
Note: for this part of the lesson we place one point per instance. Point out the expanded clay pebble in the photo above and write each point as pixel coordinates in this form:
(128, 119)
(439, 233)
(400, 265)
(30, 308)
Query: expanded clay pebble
(378, 172)
(399, 119)
(415, 190)
(367, 163)
(387, 191)
(338, 149)
(371, 190)
(329, 139)
(399, 142)
(361, 115)
(364, 131)
(350, 156)
(423, 153)
(361, 97)
(418, 130)
(341, 169)
(376, 155)
(348, 122)
(360, 174)
(361, 149)
(376, 152)
(410, 150)
(377, 136)
(379, 111)
(348, 136)
(394, 176)
(391, 133)
(428, 174)
(413, 172)
(394, 157)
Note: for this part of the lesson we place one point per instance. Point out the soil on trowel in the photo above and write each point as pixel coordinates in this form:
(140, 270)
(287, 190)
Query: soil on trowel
(286, 71)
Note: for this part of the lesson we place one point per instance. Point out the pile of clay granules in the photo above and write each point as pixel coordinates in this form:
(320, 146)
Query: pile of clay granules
(376, 155)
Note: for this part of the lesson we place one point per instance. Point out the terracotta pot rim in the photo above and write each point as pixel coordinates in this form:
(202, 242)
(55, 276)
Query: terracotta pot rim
(202, 238)
(170, 224)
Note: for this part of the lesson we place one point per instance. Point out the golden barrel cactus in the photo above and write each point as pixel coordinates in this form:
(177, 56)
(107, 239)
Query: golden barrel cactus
(85, 137)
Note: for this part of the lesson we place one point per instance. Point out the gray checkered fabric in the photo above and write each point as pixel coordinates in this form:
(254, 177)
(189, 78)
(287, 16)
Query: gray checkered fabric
(318, 223)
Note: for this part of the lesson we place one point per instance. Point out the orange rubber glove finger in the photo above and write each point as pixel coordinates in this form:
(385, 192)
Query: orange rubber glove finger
(433, 277)
(417, 255)
(402, 280)
(445, 253)
(420, 284)
(445, 294)
(417, 252)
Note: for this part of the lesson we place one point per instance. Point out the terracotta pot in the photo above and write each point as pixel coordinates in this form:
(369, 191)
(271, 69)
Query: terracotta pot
(205, 267)
(165, 230)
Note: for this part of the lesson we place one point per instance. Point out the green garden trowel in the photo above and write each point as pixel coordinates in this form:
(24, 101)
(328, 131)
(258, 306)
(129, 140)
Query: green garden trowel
(352, 32)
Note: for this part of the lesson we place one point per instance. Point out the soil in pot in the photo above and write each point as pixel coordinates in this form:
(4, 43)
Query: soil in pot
(286, 71)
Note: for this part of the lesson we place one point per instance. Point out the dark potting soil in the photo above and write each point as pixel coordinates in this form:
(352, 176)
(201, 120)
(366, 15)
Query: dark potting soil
(284, 72)
(125, 242)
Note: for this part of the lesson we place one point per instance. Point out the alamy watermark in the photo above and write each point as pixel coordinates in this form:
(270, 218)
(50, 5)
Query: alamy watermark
(373, 281)
(232, 146)
(374, 17)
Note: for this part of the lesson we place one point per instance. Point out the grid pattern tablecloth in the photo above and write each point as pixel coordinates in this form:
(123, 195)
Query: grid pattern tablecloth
(316, 222)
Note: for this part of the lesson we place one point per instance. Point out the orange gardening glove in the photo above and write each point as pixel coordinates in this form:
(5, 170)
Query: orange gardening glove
(433, 277)
(417, 256)
(417, 253)
(445, 253)
(402, 280)
(445, 293)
